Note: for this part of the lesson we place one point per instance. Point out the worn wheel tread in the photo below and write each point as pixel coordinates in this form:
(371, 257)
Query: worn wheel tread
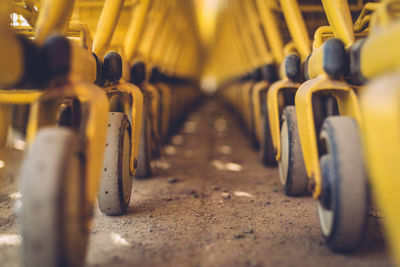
(53, 227)
(296, 182)
(113, 197)
(349, 187)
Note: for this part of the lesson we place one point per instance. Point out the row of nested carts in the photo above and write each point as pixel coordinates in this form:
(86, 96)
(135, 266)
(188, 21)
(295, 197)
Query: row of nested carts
(96, 88)
(316, 86)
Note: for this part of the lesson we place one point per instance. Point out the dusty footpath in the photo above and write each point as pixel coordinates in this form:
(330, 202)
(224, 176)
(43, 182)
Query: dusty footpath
(210, 203)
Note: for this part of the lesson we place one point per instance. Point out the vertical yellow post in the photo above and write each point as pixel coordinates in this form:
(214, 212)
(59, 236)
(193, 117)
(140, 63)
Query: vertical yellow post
(271, 29)
(297, 27)
(110, 14)
(135, 29)
(54, 16)
(339, 17)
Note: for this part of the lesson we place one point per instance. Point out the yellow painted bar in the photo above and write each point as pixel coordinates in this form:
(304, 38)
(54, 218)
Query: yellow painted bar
(321, 35)
(258, 88)
(83, 64)
(380, 103)
(32, 3)
(380, 53)
(12, 59)
(364, 17)
(271, 29)
(339, 17)
(135, 112)
(315, 63)
(18, 96)
(297, 27)
(106, 26)
(157, 37)
(30, 15)
(256, 34)
(348, 106)
(11, 51)
(43, 112)
(54, 16)
(274, 111)
(240, 32)
(5, 117)
(135, 29)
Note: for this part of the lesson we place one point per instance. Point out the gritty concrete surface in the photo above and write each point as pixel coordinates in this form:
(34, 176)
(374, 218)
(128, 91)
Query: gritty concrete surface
(210, 203)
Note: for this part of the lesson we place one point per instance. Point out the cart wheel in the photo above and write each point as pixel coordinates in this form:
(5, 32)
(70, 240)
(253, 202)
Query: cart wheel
(116, 184)
(343, 207)
(252, 131)
(143, 169)
(266, 148)
(53, 223)
(292, 171)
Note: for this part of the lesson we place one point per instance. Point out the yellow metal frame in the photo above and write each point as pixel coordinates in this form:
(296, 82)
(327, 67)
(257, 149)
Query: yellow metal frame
(380, 103)
(133, 106)
(301, 44)
(93, 133)
(274, 39)
(275, 108)
(257, 91)
(373, 59)
(26, 10)
(297, 27)
(339, 17)
(253, 53)
(131, 95)
(166, 100)
(155, 113)
(271, 29)
(53, 17)
(81, 88)
(135, 29)
(107, 24)
(348, 106)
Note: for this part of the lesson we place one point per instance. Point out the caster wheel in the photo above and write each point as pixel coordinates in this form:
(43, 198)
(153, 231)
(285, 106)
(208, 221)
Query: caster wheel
(53, 223)
(291, 167)
(20, 117)
(143, 169)
(266, 148)
(116, 184)
(252, 128)
(343, 207)
(5, 116)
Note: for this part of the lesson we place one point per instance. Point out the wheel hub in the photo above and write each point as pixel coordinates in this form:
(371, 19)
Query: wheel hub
(325, 198)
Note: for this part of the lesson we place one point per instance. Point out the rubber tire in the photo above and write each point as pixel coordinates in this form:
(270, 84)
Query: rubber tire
(343, 225)
(252, 128)
(53, 225)
(116, 184)
(291, 167)
(143, 169)
(266, 147)
(20, 117)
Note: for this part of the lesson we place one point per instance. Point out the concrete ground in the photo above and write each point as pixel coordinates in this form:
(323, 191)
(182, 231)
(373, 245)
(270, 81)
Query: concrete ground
(210, 203)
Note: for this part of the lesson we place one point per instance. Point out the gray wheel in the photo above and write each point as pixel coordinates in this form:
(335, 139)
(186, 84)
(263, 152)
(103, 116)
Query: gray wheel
(291, 167)
(266, 147)
(53, 224)
(143, 169)
(251, 129)
(116, 184)
(343, 206)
